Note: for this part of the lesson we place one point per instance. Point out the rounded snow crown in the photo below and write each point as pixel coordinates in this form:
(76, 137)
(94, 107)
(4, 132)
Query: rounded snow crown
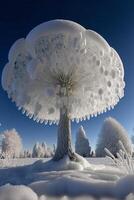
(60, 63)
(81, 133)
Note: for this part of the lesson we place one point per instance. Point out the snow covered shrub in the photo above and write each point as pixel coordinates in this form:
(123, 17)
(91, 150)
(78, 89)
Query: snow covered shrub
(48, 152)
(37, 151)
(26, 154)
(124, 160)
(82, 144)
(41, 151)
(11, 144)
(112, 131)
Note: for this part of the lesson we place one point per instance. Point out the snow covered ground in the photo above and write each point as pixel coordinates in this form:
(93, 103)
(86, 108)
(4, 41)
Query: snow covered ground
(46, 180)
(27, 161)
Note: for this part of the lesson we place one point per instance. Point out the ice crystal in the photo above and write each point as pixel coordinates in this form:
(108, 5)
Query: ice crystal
(124, 160)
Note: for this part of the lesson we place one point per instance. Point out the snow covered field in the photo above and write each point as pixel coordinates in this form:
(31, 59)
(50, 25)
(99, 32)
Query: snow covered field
(27, 161)
(100, 179)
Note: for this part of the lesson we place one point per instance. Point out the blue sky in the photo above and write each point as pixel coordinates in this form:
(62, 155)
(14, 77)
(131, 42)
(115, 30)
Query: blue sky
(114, 20)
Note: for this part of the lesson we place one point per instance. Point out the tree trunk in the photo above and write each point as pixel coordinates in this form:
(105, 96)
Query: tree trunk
(64, 137)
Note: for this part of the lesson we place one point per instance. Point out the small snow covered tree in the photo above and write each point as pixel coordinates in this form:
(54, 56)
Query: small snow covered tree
(82, 144)
(11, 143)
(47, 151)
(132, 139)
(41, 151)
(61, 72)
(111, 133)
(50, 152)
(28, 154)
(38, 151)
(35, 153)
(25, 154)
(44, 149)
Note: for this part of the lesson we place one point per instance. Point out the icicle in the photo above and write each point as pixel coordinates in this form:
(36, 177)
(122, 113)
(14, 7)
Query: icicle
(84, 118)
(37, 120)
(34, 118)
(101, 111)
(77, 120)
(50, 122)
(54, 122)
(27, 113)
(30, 116)
(57, 122)
(105, 110)
(46, 122)
(41, 121)
(95, 114)
(12, 99)
(17, 104)
(9, 96)
(19, 108)
(81, 119)
(23, 111)
(109, 108)
(112, 107)
(88, 117)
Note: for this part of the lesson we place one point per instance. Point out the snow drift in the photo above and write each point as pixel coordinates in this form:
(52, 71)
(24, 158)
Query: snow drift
(121, 190)
(64, 180)
(10, 192)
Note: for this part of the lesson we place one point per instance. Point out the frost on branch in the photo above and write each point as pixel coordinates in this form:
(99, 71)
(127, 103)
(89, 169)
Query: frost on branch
(124, 160)
(61, 63)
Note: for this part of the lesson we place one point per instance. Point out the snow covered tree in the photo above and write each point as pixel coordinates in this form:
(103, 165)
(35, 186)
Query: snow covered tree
(132, 138)
(28, 154)
(11, 143)
(41, 151)
(50, 152)
(82, 144)
(54, 149)
(36, 151)
(61, 72)
(111, 133)
(25, 154)
(44, 149)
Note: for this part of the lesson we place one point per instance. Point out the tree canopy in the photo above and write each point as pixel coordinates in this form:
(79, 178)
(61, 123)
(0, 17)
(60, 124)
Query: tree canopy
(61, 63)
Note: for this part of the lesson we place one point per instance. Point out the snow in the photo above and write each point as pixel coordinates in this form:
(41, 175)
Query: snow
(10, 192)
(125, 186)
(5, 163)
(65, 180)
(63, 164)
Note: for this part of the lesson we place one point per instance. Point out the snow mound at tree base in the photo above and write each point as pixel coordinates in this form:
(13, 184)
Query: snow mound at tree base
(64, 164)
(24, 174)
